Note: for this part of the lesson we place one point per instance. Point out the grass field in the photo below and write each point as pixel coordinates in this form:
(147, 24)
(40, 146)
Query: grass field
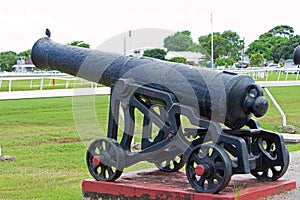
(288, 98)
(276, 76)
(50, 153)
(41, 133)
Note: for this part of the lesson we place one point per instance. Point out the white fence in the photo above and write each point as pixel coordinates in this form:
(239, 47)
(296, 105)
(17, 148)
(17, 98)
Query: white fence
(264, 76)
(258, 73)
(50, 77)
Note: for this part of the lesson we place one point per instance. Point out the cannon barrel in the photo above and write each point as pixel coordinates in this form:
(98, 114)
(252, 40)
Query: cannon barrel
(224, 97)
(296, 55)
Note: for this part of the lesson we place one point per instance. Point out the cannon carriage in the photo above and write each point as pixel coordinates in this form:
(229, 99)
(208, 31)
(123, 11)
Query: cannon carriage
(223, 138)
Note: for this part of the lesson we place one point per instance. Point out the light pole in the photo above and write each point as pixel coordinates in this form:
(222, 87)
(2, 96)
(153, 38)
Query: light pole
(212, 42)
(125, 46)
(243, 51)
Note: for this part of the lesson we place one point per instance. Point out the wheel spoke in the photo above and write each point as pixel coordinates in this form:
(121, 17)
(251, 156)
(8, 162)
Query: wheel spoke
(99, 149)
(94, 168)
(211, 184)
(214, 155)
(196, 158)
(220, 166)
(110, 171)
(220, 175)
(269, 143)
(175, 163)
(266, 173)
(103, 170)
(171, 165)
(190, 169)
(202, 153)
(200, 182)
(275, 172)
(168, 163)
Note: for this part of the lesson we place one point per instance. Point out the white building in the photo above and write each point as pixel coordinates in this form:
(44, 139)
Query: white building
(24, 65)
(193, 58)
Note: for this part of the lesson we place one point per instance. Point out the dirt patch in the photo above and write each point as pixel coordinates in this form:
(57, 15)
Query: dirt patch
(64, 140)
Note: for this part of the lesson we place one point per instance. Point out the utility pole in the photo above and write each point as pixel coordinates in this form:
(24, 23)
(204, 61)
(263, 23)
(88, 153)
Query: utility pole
(212, 42)
(125, 46)
(125, 43)
(243, 52)
(130, 45)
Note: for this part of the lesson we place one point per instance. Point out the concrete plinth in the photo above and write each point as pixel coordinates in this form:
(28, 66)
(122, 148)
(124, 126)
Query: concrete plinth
(155, 184)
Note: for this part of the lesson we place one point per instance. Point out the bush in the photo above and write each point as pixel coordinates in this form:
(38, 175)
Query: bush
(178, 60)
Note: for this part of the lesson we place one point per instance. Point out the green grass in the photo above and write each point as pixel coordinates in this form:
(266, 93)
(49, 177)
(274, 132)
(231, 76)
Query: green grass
(275, 76)
(289, 100)
(43, 136)
(50, 160)
(50, 145)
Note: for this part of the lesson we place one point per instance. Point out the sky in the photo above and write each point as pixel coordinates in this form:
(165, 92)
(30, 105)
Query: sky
(96, 21)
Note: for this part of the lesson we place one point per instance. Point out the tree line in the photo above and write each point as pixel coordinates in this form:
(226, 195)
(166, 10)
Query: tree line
(9, 58)
(276, 45)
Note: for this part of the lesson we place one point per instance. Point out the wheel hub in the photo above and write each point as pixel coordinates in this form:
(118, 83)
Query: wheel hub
(96, 161)
(200, 170)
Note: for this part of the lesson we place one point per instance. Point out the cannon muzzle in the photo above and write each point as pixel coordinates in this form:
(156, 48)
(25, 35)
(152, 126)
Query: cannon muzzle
(224, 97)
(296, 55)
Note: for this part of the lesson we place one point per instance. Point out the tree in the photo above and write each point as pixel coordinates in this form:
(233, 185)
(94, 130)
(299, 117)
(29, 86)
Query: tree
(180, 41)
(256, 59)
(224, 61)
(227, 44)
(271, 43)
(265, 45)
(238, 44)
(79, 44)
(26, 53)
(7, 60)
(282, 30)
(155, 53)
(186, 32)
(233, 38)
(284, 50)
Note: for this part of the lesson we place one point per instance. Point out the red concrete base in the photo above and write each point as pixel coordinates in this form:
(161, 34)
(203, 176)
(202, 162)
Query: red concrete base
(154, 184)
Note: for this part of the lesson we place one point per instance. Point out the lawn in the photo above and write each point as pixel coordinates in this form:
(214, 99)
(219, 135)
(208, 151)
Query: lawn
(50, 153)
(50, 141)
(279, 76)
(288, 99)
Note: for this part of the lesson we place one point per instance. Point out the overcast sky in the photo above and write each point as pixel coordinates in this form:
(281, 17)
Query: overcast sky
(95, 21)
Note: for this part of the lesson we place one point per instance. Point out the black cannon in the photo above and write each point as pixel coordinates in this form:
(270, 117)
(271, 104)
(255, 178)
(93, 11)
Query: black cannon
(222, 139)
(296, 55)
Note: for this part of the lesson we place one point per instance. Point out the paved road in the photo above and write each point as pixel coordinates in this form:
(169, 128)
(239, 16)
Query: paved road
(277, 83)
(101, 90)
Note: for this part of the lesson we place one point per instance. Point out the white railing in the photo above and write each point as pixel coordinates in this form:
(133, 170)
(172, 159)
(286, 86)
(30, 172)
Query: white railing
(263, 73)
(42, 77)
(260, 74)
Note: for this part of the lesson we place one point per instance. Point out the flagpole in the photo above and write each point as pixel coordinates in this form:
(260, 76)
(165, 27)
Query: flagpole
(212, 42)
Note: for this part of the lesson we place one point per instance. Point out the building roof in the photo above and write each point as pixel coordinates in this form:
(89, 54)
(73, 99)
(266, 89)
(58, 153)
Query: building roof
(189, 55)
